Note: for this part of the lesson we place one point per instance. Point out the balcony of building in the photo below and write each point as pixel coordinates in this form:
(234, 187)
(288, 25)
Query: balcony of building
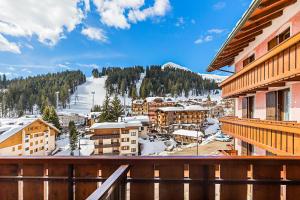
(103, 145)
(145, 178)
(277, 137)
(275, 68)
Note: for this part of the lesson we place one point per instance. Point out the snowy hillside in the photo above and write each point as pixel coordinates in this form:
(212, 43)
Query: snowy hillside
(174, 65)
(217, 78)
(82, 99)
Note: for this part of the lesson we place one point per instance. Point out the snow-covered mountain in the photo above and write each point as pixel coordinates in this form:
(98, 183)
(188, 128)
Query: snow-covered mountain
(217, 78)
(174, 65)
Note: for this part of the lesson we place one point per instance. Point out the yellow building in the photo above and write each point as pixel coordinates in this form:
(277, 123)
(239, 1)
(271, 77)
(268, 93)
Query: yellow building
(26, 136)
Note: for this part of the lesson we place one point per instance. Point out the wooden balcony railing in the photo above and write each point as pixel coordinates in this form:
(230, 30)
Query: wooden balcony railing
(232, 177)
(280, 64)
(278, 137)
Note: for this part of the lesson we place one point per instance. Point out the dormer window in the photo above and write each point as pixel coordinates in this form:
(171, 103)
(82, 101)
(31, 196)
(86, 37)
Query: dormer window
(279, 39)
(248, 60)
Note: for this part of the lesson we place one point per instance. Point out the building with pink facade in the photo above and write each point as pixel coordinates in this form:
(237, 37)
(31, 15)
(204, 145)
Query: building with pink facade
(264, 49)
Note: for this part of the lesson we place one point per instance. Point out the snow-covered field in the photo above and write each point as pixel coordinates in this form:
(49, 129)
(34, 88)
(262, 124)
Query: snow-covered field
(84, 100)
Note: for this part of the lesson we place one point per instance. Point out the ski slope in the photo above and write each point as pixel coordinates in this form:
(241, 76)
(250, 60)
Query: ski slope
(82, 99)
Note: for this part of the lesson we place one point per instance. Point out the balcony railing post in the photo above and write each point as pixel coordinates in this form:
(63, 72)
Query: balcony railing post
(70, 182)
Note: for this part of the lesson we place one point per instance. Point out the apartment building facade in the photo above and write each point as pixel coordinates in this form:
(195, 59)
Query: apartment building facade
(137, 107)
(116, 138)
(151, 104)
(27, 137)
(264, 49)
(184, 116)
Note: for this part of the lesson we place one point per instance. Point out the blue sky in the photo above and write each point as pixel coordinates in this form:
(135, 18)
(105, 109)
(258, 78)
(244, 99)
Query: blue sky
(48, 36)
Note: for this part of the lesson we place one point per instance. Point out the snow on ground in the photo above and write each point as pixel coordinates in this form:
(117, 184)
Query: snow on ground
(84, 101)
(217, 78)
(151, 148)
(174, 65)
(139, 83)
(63, 147)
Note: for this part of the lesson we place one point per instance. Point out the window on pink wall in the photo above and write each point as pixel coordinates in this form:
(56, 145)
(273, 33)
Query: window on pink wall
(279, 39)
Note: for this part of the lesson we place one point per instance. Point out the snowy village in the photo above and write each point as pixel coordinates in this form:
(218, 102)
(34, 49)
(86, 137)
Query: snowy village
(142, 127)
(149, 100)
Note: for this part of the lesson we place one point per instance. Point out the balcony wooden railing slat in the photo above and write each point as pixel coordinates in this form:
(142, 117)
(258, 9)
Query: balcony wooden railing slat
(7, 186)
(113, 187)
(84, 189)
(142, 190)
(201, 172)
(234, 171)
(270, 172)
(171, 172)
(33, 189)
(57, 189)
(281, 138)
(292, 191)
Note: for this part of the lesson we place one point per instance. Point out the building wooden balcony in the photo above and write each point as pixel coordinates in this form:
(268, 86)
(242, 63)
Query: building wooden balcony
(137, 178)
(279, 65)
(113, 144)
(278, 137)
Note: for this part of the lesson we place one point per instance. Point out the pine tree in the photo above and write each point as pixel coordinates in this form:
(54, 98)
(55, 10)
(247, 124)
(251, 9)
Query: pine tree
(73, 137)
(116, 108)
(46, 114)
(95, 73)
(50, 116)
(106, 114)
(133, 93)
(53, 118)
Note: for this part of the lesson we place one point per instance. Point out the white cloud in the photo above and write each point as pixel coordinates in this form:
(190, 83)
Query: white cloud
(204, 39)
(180, 22)
(50, 20)
(216, 30)
(95, 34)
(219, 5)
(47, 19)
(159, 9)
(5, 45)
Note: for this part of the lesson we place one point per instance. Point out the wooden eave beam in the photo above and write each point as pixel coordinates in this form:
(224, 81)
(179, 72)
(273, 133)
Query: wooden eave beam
(267, 3)
(270, 17)
(252, 35)
(272, 9)
(240, 43)
(257, 28)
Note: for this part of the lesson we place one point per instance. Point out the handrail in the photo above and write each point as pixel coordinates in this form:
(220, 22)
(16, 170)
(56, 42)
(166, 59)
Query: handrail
(112, 185)
(284, 45)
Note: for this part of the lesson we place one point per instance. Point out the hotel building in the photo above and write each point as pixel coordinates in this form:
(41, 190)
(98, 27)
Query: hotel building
(116, 138)
(264, 50)
(26, 136)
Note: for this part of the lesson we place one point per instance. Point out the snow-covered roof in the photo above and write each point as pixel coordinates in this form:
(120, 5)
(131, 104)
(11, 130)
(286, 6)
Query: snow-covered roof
(138, 101)
(141, 118)
(108, 125)
(163, 99)
(69, 113)
(11, 126)
(188, 133)
(184, 108)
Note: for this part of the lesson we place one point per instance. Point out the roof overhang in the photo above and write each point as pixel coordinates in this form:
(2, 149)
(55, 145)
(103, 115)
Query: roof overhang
(258, 17)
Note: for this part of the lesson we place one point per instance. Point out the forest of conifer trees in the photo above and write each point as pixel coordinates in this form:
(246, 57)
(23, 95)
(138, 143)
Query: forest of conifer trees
(157, 82)
(20, 95)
